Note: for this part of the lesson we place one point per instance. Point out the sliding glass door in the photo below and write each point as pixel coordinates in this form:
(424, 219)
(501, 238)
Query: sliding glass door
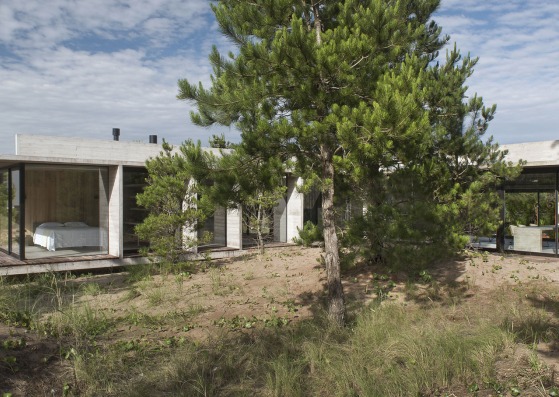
(531, 212)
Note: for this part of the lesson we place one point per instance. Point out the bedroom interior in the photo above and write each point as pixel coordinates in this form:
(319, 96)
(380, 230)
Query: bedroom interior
(65, 208)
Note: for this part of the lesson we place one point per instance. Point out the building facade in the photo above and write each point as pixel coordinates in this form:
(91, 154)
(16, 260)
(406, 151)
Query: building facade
(68, 200)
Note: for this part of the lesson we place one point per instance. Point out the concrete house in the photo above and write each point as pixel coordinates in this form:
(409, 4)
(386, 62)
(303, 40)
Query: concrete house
(70, 204)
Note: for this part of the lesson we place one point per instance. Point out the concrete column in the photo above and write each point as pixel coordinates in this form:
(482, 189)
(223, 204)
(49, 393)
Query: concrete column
(115, 211)
(295, 202)
(235, 228)
(104, 191)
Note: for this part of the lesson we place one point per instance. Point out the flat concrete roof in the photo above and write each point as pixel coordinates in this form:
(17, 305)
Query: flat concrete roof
(7, 160)
(73, 150)
(536, 154)
(82, 151)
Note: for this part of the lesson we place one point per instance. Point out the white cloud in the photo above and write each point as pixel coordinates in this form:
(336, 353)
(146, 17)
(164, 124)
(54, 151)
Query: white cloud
(518, 46)
(51, 87)
(57, 79)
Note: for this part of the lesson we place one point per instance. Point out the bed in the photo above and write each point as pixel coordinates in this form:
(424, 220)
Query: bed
(55, 235)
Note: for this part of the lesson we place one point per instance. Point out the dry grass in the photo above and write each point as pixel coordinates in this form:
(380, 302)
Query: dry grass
(255, 326)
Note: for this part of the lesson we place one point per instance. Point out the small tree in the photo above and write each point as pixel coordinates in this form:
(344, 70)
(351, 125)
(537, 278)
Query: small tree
(251, 182)
(257, 211)
(171, 197)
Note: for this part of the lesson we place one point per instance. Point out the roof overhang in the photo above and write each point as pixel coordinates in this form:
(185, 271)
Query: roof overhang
(11, 160)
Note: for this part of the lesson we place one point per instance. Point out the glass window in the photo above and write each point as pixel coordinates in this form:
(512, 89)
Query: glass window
(312, 207)
(530, 213)
(66, 210)
(16, 211)
(134, 183)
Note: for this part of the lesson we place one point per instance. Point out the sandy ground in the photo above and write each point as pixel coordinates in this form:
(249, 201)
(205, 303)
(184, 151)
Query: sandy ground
(236, 295)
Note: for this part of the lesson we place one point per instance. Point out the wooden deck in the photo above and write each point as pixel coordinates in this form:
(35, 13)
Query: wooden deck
(12, 266)
(7, 260)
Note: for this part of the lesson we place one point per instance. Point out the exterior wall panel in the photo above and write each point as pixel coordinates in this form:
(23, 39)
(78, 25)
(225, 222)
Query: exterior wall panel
(234, 228)
(115, 211)
(295, 201)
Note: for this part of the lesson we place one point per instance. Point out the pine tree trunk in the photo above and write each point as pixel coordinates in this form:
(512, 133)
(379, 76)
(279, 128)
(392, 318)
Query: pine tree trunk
(336, 305)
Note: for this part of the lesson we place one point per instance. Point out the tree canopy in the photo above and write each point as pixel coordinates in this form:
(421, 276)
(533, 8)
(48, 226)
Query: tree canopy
(351, 91)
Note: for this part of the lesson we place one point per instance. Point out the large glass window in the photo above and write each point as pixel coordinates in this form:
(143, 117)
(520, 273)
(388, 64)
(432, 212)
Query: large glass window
(531, 213)
(253, 218)
(312, 207)
(66, 210)
(134, 183)
(211, 233)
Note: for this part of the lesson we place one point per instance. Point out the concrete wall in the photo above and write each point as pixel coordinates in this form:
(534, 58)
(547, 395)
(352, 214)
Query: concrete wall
(294, 207)
(104, 213)
(280, 221)
(234, 228)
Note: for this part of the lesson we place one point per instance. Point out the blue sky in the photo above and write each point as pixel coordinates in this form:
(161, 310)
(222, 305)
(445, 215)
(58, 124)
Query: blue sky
(80, 68)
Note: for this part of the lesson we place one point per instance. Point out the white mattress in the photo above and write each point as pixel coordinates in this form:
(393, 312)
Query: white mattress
(55, 237)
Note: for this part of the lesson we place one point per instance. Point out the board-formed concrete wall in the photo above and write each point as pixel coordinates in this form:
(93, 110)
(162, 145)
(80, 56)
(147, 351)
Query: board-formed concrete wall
(104, 212)
(234, 228)
(115, 211)
(81, 148)
(280, 221)
(295, 201)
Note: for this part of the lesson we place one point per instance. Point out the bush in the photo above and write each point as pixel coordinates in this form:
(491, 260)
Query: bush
(309, 234)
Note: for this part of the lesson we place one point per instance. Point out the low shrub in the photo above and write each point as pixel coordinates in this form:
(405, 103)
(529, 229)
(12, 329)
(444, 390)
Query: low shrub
(310, 233)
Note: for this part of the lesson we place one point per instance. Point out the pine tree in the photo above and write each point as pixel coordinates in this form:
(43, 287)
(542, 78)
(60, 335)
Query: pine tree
(430, 197)
(171, 197)
(343, 87)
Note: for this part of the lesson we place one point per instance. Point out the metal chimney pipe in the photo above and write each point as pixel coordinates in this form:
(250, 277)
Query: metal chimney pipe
(153, 139)
(116, 134)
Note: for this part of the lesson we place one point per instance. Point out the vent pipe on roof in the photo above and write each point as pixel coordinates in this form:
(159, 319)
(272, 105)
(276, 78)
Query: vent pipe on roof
(153, 139)
(116, 134)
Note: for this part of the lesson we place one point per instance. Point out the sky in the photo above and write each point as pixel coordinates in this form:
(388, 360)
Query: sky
(80, 68)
